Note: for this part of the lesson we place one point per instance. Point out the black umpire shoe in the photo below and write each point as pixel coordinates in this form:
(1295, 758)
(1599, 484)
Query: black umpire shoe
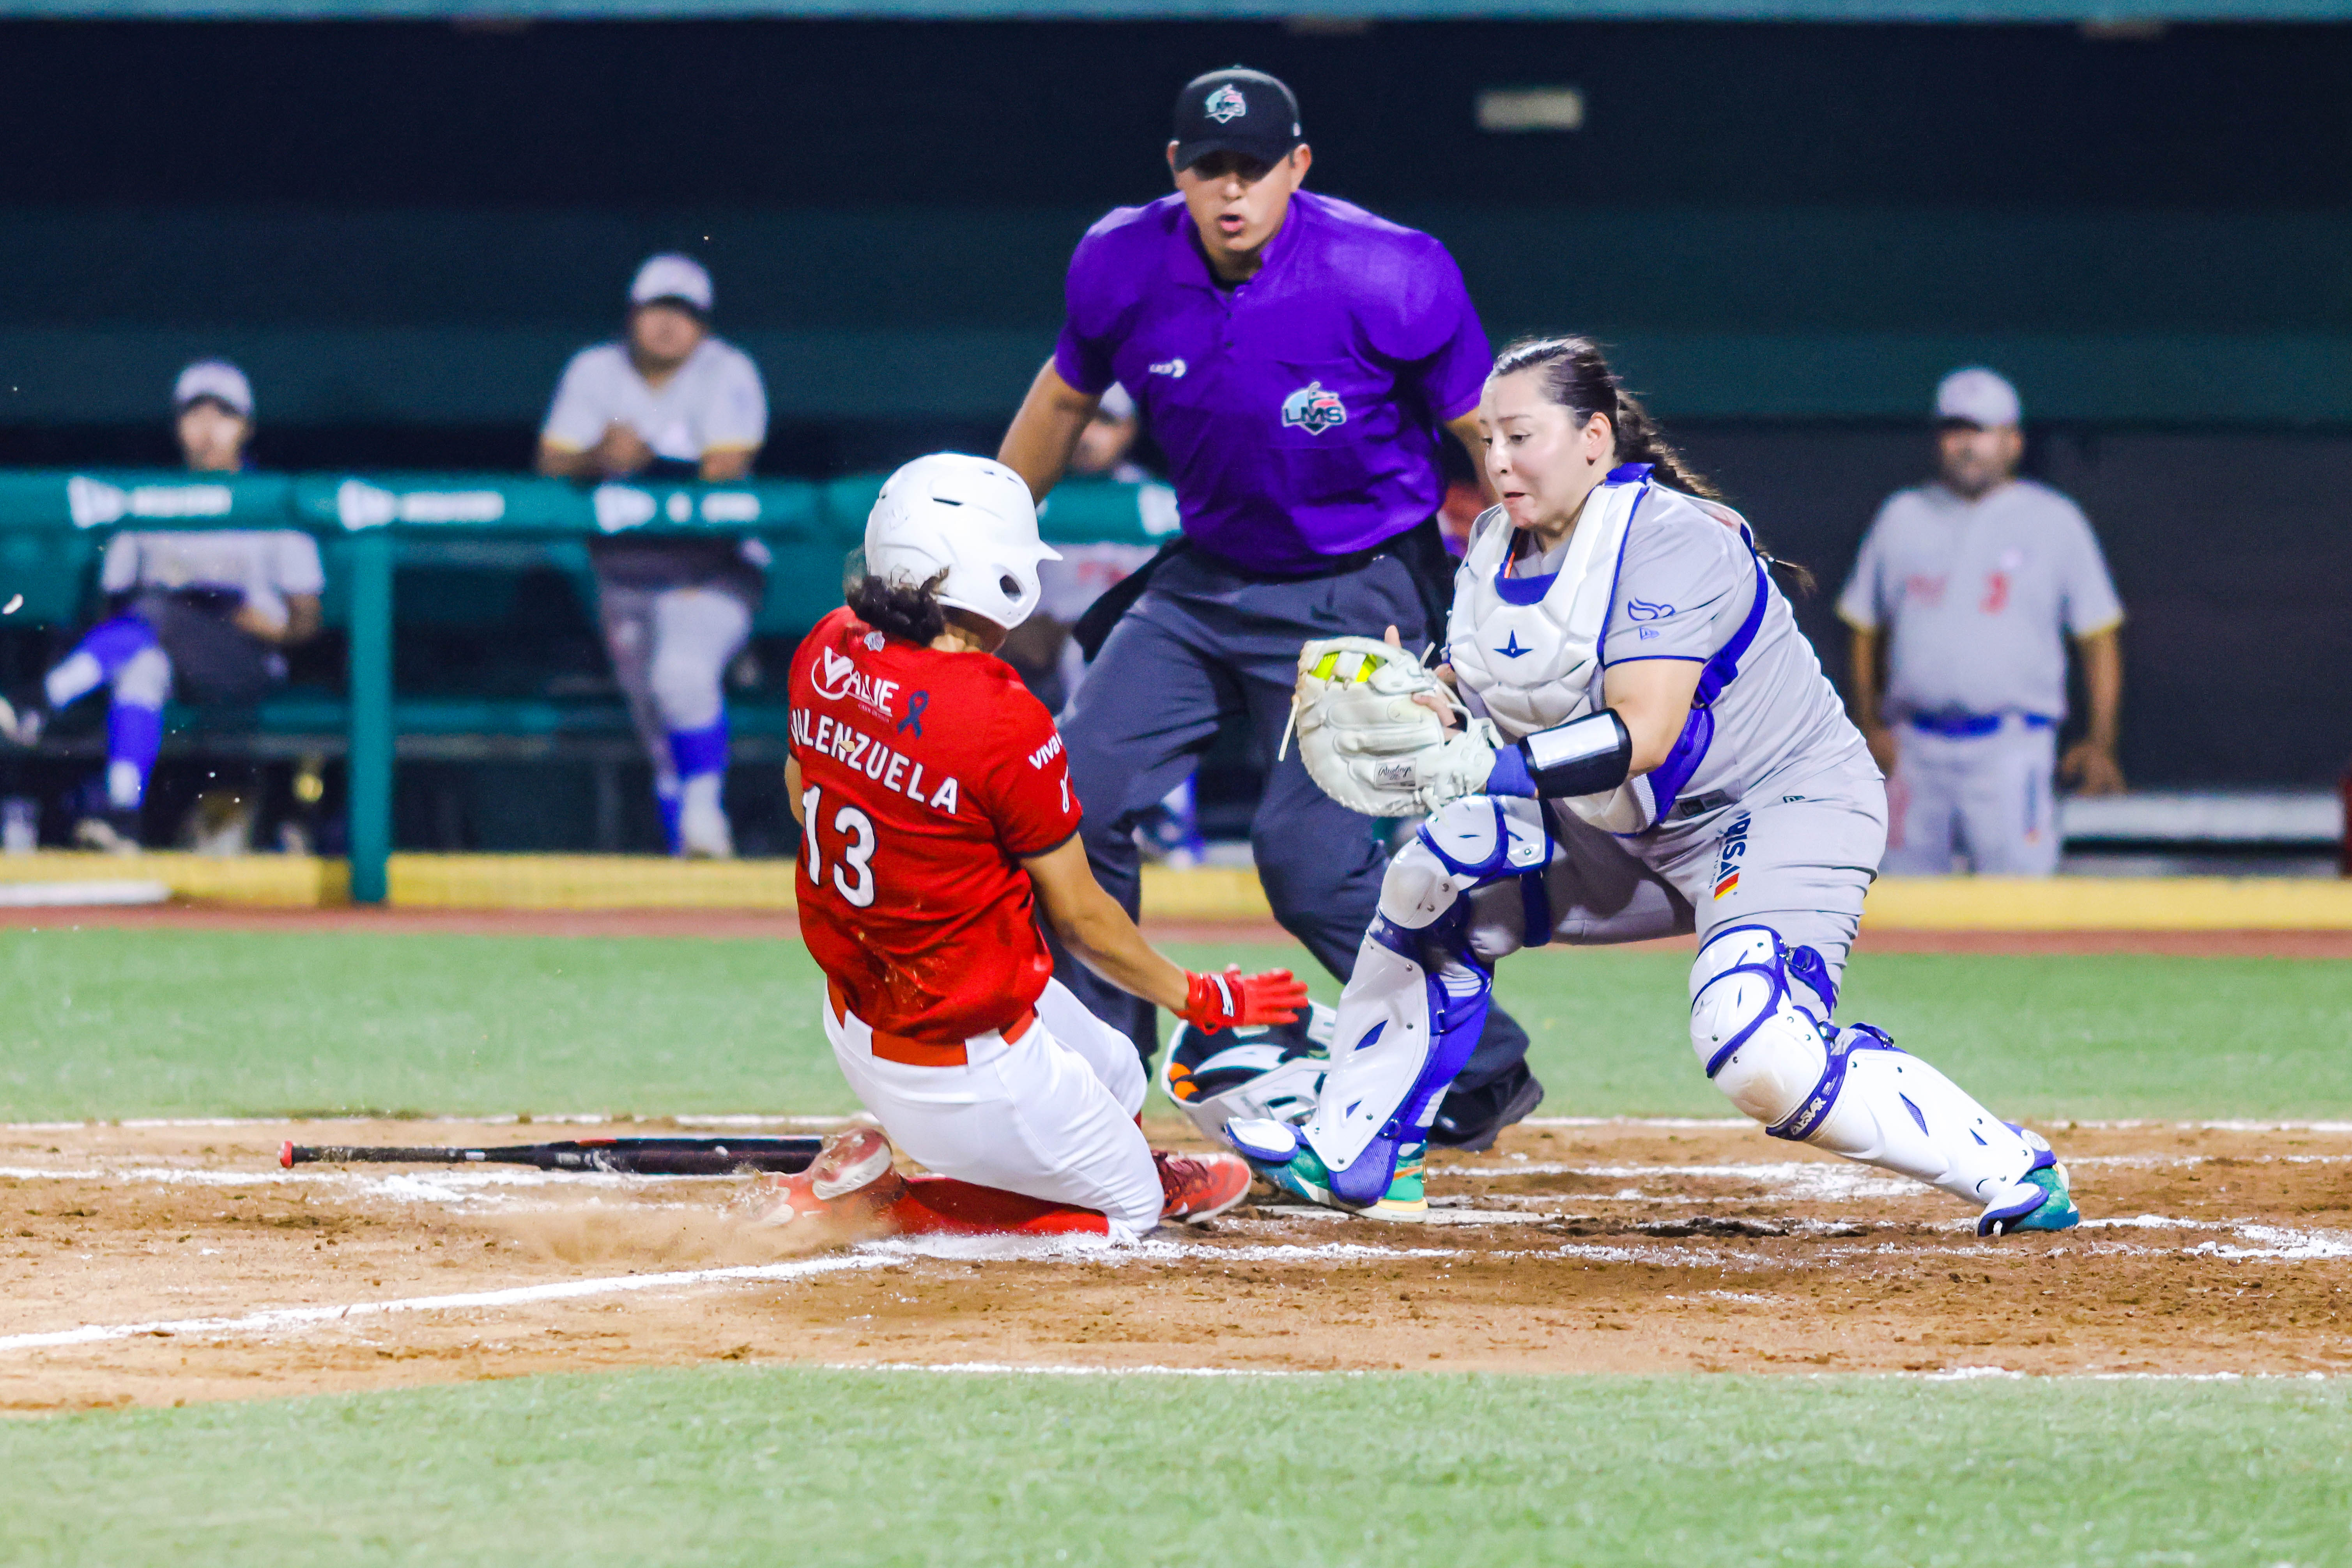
(1472, 1120)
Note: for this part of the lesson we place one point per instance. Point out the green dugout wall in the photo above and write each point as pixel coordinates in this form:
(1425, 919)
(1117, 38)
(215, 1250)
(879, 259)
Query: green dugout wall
(52, 524)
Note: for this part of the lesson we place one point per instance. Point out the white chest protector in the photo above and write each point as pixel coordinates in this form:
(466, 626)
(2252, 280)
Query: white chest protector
(1532, 665)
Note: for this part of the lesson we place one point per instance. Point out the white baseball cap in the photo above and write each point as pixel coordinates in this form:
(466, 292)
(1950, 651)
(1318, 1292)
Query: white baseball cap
(1978, 396)
(219, 380)
(670, 275)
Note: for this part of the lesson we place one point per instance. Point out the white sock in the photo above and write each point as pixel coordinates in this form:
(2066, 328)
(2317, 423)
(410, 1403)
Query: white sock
(76, 677)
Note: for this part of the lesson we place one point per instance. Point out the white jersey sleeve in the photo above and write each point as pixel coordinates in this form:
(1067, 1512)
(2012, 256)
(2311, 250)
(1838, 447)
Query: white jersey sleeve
(1681, 591)
(294, 563)
(735, 417)
(1863, 603)
(1689, 587)
(576, 420)
(2087, 591)
(119, 572)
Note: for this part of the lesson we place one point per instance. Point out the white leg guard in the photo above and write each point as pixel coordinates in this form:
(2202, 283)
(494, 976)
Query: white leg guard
(1851, 1091)
(1377, 1054)
(1404, 1031)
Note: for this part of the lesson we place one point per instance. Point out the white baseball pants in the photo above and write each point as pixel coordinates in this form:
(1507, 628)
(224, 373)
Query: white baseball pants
(1990, 798)
(1050, 1115)
(670, 648)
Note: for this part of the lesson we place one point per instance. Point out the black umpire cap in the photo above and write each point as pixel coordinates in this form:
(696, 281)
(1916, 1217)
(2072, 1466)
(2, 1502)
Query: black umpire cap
(1235, 110)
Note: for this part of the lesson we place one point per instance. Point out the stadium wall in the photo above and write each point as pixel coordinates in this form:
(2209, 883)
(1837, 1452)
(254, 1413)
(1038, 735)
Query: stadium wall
(446, 317)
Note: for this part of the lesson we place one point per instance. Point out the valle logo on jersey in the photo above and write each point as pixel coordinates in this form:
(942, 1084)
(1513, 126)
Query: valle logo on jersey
(837, 679)
(1313, 410)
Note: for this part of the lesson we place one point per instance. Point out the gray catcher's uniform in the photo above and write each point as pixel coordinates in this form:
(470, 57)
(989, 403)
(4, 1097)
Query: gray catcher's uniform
(1760, 832)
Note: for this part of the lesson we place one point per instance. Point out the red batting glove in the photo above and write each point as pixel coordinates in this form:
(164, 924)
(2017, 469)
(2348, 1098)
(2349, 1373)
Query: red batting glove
(1214, 1001)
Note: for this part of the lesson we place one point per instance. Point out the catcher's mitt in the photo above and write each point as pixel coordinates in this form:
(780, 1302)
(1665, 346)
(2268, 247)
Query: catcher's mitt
(1368, 743)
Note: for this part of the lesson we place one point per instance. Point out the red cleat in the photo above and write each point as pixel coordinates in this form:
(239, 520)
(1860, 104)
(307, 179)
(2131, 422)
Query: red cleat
(851, 1181)
(1200, 1186)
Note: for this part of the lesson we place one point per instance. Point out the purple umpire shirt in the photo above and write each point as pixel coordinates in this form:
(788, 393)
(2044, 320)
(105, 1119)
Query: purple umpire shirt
(1300, 411)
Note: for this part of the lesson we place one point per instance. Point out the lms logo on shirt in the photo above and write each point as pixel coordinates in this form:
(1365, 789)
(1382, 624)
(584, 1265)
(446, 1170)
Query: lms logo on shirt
(1313, 410)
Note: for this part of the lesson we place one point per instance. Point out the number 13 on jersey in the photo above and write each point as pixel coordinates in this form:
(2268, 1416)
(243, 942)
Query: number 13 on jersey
(852, 869)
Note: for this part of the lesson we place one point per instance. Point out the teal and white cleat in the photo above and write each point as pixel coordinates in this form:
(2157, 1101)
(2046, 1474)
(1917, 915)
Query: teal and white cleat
(2037, 1201)
(1277, 1153)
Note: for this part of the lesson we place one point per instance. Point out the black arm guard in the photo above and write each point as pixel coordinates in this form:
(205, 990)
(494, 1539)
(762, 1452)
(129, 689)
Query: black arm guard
(1583, 756)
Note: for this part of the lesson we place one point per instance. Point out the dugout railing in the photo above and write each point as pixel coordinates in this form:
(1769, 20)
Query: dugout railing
(54, 524)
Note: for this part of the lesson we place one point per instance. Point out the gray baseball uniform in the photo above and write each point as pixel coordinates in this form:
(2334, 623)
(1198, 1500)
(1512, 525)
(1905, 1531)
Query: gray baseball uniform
(1975, 598)
(714, 402)
(1777, 816)
(675, 609)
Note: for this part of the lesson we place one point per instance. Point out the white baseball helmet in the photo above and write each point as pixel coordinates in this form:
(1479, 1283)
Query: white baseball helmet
(969, 517)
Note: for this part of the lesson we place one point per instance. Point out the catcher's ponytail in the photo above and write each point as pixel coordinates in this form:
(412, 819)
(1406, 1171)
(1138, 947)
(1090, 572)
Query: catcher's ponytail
(1573, 373)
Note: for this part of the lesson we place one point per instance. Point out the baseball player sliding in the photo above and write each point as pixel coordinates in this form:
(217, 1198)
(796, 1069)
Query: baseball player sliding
(933, 794)
(1651, 749)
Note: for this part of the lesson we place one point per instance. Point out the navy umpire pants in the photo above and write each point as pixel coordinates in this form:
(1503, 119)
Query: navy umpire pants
(1204, 643)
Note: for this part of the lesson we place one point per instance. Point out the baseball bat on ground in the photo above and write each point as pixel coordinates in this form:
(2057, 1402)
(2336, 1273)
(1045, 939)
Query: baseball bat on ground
(635, 1156)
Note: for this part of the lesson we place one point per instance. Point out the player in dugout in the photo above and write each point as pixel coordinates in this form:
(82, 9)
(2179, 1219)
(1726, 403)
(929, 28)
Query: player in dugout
(206, 614)
(1299, 360)
(669, 401)
(1956, 607)
(937, 826)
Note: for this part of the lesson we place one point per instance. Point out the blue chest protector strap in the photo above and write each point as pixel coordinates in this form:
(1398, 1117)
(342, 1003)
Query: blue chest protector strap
(1667, 779)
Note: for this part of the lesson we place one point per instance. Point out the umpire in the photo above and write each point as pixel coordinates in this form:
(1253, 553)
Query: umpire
(1297, 359)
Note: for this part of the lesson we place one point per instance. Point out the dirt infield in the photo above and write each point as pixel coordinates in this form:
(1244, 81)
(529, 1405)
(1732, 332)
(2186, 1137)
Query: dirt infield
(772, 924)
(174, 1263)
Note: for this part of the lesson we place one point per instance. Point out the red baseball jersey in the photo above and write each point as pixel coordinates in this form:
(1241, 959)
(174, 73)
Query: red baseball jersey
(926, 778)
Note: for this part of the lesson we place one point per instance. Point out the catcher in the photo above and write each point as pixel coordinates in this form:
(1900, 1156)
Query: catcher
(1648, 748)
(937, 824)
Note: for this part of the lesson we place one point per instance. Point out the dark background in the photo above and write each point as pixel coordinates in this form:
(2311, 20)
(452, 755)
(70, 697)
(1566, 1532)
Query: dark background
(1786, 231)
(1046, 114)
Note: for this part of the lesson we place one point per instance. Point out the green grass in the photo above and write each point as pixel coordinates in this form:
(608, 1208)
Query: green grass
(106, 1023)
(2119, 1035)
(814, 1467)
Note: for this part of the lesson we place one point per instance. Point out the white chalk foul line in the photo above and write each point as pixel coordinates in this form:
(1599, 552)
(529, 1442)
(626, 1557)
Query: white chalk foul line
(562, 1291)
(488, 1119)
